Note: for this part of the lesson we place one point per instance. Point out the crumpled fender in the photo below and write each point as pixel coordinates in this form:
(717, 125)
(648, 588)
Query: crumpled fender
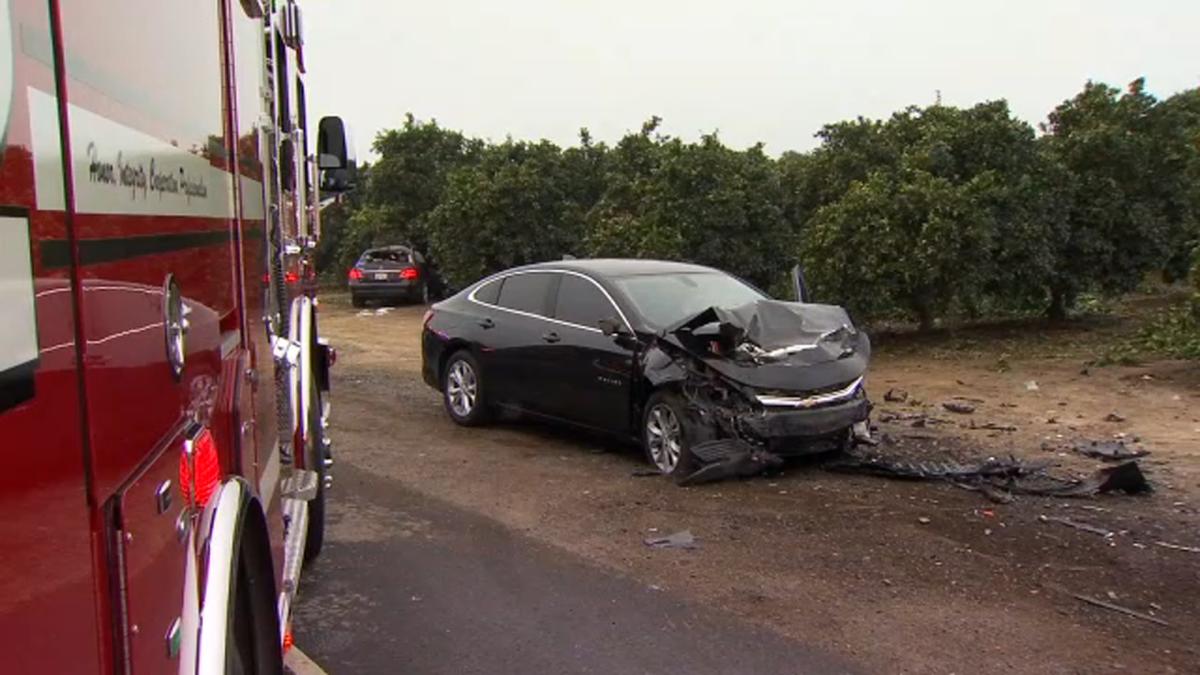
(659, 368)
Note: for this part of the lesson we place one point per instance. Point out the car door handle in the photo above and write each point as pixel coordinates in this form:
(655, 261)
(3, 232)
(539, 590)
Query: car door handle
(486, 323)
(550, 337)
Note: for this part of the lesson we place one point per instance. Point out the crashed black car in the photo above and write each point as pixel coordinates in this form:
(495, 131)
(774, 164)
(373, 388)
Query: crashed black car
(710, 374)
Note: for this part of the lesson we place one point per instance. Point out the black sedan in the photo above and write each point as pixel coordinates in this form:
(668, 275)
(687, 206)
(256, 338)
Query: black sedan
(388, 273)
(699, 366)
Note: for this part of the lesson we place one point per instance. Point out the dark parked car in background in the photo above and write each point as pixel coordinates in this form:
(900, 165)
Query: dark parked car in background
(389, 274)
(699, 366)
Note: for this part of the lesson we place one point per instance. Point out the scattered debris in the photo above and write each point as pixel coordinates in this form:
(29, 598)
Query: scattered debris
(896, 396)
(1113, 417)
(681, 539)
(1031, 385)
(1077, 525)
(992, 426)
(1178, 547)
(958, 407)
(729, 458)
(923, 520)
(1118, 608)
(997, 478)
(1113, 451)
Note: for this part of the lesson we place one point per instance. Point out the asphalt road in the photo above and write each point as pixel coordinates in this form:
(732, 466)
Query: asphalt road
(408, 584)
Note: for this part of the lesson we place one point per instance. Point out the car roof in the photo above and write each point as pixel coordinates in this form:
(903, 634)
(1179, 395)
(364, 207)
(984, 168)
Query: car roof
(617, 267)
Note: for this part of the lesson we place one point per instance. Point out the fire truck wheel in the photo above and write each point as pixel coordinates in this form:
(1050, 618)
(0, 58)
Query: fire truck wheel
(251, 644)
(314, 447)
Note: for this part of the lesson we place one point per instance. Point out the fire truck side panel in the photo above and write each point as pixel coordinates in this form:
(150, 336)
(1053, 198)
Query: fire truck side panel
(151, 201)
(52, 601)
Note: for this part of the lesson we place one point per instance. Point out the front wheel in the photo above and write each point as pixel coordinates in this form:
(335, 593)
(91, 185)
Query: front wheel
(665, 436)
(462, 390)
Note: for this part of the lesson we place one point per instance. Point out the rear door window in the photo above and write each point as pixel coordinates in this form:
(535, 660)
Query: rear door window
(526, 292)
(581, 302)
(489, 292)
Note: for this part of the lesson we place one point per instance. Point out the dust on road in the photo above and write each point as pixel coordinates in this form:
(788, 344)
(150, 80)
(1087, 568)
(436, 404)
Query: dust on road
(899, 577)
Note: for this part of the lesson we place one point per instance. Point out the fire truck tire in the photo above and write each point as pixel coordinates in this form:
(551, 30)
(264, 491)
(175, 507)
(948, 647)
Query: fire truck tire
(252, 640)
(314, 446)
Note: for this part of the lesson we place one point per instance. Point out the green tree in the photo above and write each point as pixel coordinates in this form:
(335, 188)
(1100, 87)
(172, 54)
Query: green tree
(700, 202)
(1117, 221)
(511, 208)
(410, 176)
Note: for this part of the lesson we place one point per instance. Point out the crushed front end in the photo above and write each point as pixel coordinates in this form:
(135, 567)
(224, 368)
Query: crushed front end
(766, 381)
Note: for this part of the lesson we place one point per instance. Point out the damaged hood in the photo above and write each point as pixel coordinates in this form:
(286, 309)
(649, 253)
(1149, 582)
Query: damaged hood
(770, 344)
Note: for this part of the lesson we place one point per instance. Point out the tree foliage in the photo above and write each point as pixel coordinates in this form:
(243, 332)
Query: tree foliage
(934, 211)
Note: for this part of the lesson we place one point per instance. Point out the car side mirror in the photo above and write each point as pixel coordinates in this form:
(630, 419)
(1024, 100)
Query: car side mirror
(799, 285)
(613, 327)
(335, 156)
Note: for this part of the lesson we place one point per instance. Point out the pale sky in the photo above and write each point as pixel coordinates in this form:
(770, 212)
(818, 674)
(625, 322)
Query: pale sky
(754, 70)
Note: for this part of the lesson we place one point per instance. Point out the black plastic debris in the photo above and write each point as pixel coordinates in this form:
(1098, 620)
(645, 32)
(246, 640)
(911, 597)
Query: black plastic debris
(997, 478)
(681, 539)
(1113, 451)
(1127, 478)
(959, 407)
(729, 458)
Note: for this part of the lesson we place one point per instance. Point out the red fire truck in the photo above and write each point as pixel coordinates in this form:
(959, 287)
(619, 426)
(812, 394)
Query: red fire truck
(163, 386)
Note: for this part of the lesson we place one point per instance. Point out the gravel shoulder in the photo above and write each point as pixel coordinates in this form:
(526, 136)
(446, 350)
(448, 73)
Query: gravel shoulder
(894, 576)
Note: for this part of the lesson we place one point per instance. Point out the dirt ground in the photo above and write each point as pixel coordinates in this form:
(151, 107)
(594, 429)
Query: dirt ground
(898, 576)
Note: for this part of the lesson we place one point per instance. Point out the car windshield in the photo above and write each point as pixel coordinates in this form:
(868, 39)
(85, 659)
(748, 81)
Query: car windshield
(666, 299)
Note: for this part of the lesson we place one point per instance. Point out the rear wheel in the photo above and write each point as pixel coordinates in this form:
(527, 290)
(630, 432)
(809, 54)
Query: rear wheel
(314, 458)
(462, 390)
(356, 301)
(665, 436)
(252, 631)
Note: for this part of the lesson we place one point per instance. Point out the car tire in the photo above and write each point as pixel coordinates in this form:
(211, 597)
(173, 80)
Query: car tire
(463, 390)
(666, 434)
(357, 302)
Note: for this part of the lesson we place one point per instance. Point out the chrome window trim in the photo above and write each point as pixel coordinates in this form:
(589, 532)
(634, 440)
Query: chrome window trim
(503, 275)
(804, 402)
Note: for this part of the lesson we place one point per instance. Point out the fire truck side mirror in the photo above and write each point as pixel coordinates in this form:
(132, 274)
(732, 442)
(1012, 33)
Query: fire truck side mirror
(335, 156)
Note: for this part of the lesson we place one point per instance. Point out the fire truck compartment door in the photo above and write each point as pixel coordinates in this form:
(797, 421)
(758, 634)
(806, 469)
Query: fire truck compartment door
(154, 549)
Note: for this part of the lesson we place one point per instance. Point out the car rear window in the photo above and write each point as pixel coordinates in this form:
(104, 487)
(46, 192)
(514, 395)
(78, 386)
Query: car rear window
(397, 256)
(580, 302)
(526, 292)
(489, 292)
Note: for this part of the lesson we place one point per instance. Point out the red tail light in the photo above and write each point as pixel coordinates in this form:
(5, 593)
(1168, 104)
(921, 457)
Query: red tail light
(291, 277)
(199, 466)
(410, 273)
(355, 274)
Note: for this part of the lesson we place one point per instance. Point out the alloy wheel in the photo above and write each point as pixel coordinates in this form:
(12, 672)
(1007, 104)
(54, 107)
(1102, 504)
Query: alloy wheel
(462, 387)
(664, 437)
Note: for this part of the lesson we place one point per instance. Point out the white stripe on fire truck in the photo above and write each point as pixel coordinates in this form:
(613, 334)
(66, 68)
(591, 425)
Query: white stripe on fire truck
(120, 170)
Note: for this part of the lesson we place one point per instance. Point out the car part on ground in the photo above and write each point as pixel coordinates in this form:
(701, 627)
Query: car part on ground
(997, 478)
